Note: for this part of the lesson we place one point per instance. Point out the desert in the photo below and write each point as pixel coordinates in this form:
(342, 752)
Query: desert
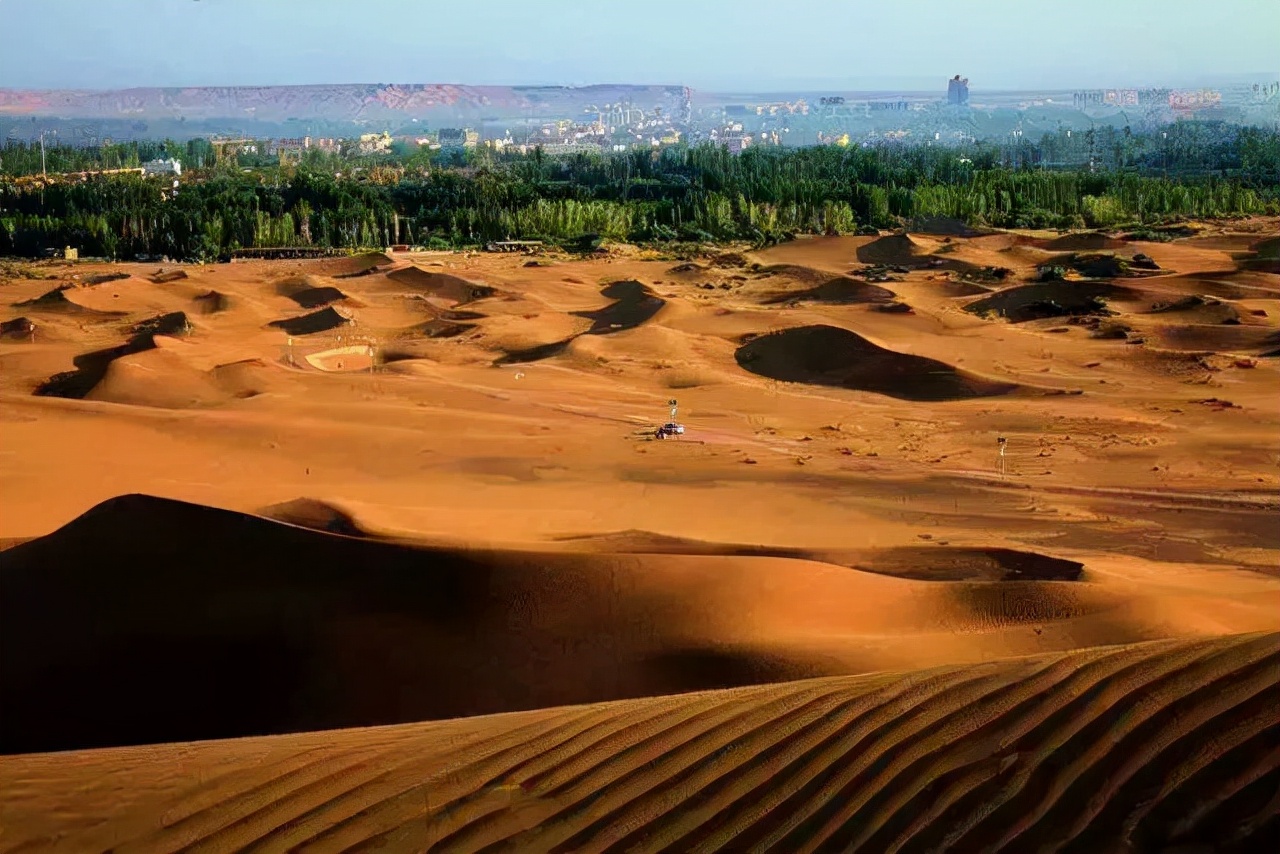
(969, 544)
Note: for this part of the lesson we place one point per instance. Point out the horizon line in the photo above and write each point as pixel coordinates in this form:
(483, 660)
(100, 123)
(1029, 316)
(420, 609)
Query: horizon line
(771, 89)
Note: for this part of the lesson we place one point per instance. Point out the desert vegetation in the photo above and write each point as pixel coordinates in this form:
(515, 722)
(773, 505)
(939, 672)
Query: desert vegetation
(700, 193)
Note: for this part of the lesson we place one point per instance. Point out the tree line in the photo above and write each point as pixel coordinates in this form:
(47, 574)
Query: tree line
(683, 193)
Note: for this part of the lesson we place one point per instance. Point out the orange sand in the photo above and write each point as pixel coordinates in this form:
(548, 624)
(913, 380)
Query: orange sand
(495, 530)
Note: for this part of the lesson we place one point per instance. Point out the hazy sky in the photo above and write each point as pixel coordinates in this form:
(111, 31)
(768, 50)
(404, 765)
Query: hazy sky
(708, 44)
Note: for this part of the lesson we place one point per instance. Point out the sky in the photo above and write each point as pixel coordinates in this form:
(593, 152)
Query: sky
(716, 45)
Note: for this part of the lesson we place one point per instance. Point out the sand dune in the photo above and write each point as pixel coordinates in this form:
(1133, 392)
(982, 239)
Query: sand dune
(167, 276)
(165, 377)
(310, 291)
(316, 515)
(133, 295)
(202, 607)
(1083, 242)
(323, 320)
(1217, 338)
(18, 328)
(1152, 747)
(63, 298)
(946, 226)
(1050, 299)
(1223, 285)
(924, 563)
(840, 290)
(828, 355)
(897, 249)
(356, 265)
(211, 302)
(92, 367)
(633, 304)
(440, 285)
(1197, 309)
(489, 525)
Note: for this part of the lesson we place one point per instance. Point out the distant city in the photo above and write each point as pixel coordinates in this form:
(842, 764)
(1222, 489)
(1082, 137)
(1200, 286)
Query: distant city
(370, 119)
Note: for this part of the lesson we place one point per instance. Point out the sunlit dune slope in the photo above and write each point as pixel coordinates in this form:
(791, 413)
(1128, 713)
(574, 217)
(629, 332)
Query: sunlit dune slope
(1146, 748)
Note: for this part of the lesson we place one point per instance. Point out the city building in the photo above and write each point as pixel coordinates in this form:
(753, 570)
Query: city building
(736, 142)
(162, 167)
(292, 146)
(375, 143)
(458, 138)
(958, 91)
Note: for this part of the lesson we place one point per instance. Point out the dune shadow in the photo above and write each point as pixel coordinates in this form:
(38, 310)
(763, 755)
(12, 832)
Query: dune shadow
(840, 290)
(56, 300)
(177, 622)
(316, 515)
(211, 302)
(441, 285)
(633, 305)
(702, 668)
(91, 368)
(317, 297)
(18, 327)
(831, 356)
(956, 563)
(310, 324)
(534, 354)
(1050, 299)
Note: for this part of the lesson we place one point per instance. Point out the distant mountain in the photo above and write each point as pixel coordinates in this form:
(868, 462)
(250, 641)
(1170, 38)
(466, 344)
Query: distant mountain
(355, 102)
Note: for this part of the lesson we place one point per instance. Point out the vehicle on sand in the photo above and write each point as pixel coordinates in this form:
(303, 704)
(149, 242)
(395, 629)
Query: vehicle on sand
(672, 427)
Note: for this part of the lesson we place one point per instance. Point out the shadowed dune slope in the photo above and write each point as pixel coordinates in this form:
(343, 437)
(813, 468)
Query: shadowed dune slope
(633, 304)
(355, 265)
(163, 278)
(829, 355)
(930, 563)
(309, 291)
(1220, 338)
(92, 367)
(18, 327)
(1083, 242)
(925, 563)
(1050, 299)
(163, 377)
(211, 302)
(896, 249)
(1197, 309)
(838, 290)
(1155, 747)
(534, 354)
(204, 623)
(317, 321)
(316, 515)
(61, 298)
(441, 285)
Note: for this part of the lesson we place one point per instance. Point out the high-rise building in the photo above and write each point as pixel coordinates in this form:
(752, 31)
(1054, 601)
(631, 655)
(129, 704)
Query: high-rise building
(958, 91)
